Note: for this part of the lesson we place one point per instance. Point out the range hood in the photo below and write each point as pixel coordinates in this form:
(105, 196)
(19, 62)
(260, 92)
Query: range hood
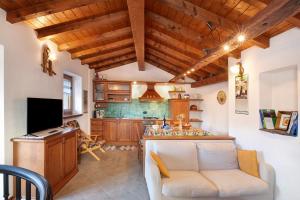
(151, 94)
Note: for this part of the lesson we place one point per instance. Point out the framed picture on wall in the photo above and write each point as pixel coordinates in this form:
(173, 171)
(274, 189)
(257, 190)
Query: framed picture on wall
(241, 94)
(85, 101)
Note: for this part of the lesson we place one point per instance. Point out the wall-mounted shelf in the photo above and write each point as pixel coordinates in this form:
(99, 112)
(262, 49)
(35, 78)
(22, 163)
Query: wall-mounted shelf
(196, 110)
(275, 131)
(196, 120)
(196, 99)
(176, 91)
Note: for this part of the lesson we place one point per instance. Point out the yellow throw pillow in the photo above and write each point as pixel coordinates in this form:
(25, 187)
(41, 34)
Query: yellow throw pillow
(248, 162)
(161, 165)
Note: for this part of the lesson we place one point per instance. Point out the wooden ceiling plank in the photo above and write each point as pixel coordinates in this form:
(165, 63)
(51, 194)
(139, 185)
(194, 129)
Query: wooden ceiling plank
(172, 60)
(211, 80)
(160, 66)
(170, 65)
(101, 48)
(112, 60)
(113, 54)
(295, 21)
(276, 12)
(89, 22)
(136, 11)
(45, 8)
(206, 16)
(115, 65)
(115, 34)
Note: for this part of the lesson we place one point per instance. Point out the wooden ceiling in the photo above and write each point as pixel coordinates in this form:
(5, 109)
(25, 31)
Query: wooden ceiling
(177, 36)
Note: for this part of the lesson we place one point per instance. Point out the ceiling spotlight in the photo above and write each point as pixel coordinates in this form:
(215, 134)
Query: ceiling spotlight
(226, 47)
(188, 72)
(193, 70)
(241, 38)
(134, 82)
(184, 74)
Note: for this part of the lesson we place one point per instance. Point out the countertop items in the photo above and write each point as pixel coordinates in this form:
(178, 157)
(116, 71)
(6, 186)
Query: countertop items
(150, 131)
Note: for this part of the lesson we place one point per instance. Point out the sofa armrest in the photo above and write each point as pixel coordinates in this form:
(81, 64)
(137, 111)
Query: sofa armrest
(267, 174)
(153, 179)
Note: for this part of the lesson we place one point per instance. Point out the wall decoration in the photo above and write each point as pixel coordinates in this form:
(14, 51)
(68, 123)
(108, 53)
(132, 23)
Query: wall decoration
(47, 62)
(283, 120)
(221, 97)
(85, 101)
(241, 94)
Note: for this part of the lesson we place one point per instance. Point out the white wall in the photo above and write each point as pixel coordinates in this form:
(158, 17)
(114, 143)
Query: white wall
(24, 78)
(282, 152)
(215, 116)
(1, 113)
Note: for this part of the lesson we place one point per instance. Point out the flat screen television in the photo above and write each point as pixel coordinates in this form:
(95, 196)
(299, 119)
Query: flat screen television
(43, 114)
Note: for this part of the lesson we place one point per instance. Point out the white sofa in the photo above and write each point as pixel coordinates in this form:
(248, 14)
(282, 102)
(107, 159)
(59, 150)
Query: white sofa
(203, 170)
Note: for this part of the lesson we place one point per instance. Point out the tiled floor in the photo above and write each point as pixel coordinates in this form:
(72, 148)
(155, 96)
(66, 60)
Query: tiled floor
(118, 176)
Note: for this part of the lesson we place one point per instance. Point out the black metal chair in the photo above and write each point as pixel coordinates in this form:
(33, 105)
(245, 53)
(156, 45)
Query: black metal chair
(43, 189)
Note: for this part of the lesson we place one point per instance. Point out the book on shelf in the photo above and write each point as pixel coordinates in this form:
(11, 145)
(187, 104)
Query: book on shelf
(268, 118)
(293, 126)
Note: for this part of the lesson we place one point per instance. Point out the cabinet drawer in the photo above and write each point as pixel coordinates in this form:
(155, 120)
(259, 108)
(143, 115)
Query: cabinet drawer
(96, 122)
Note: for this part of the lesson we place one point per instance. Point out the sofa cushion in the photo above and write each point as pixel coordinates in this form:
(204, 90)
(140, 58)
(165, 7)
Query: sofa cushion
(187, 184)
(235, 183)
(178, 155)
(217, 156)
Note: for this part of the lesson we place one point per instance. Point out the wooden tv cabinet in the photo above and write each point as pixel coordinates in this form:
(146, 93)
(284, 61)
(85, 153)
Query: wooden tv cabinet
(54, 157)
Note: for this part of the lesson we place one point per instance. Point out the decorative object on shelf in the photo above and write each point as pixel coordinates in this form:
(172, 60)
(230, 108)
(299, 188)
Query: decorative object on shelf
(186, 96)
(186, 126)
(241, 94)
(193, 107)
(283, 120)
(268, 118)
(180, 118)
(99, 114)
(100, 105)
(221, 97)
(47, 61)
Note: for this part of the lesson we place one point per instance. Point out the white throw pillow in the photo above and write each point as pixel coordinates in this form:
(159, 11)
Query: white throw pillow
(217, 156)
(178, 155)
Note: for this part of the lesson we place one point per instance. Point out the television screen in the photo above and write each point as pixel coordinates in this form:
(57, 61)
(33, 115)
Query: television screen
(43, 114)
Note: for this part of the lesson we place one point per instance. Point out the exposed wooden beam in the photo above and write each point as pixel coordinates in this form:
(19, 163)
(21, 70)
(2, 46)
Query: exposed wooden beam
(45, 8)
(106, 51)
(94, 21)
(102, 39)
(100, 49)
(113, 60)
(211, 80)
(115, 65)
(137, 20)
(113, 54)
(295, 20)
(205, 16)
(276, 12)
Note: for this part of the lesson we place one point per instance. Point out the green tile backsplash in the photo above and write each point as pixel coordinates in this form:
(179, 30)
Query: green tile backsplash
(136, 108)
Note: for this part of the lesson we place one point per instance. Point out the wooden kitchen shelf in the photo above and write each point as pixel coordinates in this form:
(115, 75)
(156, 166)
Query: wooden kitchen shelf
(196, 99)
(176, 91)
(196, 120)
(196, 110)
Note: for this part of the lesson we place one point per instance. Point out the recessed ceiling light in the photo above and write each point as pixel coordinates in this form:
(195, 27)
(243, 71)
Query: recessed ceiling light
(188, 72)
(241, 38)
(184, 74)
(134, 82)
(193, 70)
(226, 47)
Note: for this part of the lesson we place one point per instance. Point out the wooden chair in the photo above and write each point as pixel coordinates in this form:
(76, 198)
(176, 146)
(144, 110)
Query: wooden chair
(87, 143)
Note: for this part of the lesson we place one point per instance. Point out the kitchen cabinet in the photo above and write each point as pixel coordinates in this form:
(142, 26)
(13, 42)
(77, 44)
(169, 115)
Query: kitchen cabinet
(137, 130)
(124, 131)
(111, 91)
(179, 106)
(118, 131)
(110, 128)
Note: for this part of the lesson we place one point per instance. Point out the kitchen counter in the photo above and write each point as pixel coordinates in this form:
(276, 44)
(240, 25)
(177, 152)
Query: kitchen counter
(124, 118)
